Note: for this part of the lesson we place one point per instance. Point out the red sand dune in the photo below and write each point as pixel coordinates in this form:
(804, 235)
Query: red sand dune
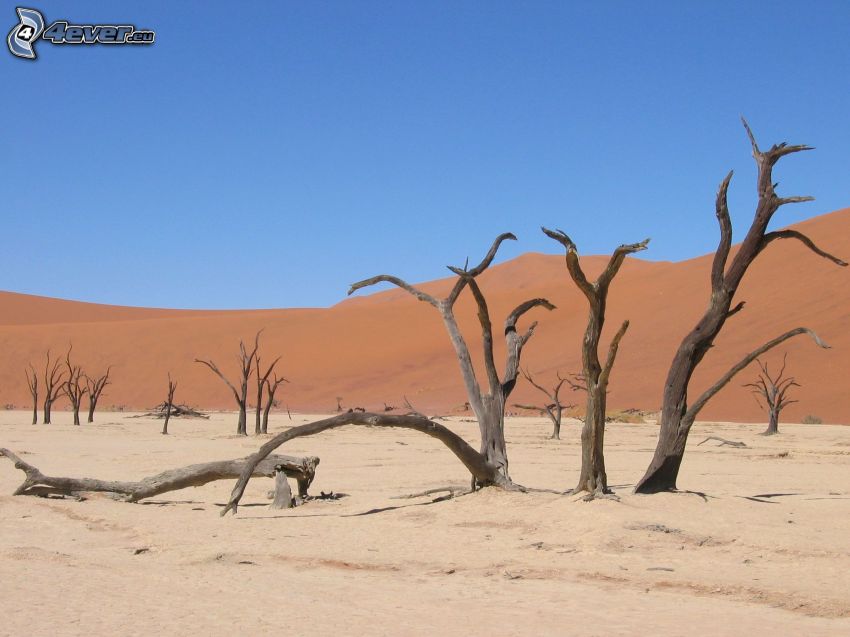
(380, 347)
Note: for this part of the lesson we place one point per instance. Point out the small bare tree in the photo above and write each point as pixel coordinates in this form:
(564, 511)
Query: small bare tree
(772, 390)
(246, 362)
(593, 477)
(554, 407)
(95, 387)
(271, 389)
(54, 385)
(262, 380)
(74, 386)
(677, 416)
(32, 384)
(169, 403)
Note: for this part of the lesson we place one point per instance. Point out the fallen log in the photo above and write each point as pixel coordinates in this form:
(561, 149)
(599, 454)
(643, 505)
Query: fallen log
(303, 470)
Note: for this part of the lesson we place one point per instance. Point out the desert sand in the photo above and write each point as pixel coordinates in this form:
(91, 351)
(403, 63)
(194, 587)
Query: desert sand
(381, 347)
(757, 544)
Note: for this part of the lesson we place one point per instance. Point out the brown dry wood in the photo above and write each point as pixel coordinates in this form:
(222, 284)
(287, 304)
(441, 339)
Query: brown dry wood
(593, 477)
(677, 416)
(36, 483)
(95, 388)
(262, 381)
(489, 407)
(723, 442)
(271, 389)
(169, 403)
(555, 408)
(773, 391)
(54, 383)
(246, 362)
(482, 471)
(74, 389)
(32, 384)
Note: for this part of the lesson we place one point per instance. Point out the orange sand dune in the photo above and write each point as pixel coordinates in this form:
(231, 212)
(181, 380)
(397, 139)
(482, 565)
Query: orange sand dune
(383, 346)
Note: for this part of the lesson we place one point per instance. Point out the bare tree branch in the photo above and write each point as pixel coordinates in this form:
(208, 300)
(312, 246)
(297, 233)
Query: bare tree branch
(794, 234)
(700, 402)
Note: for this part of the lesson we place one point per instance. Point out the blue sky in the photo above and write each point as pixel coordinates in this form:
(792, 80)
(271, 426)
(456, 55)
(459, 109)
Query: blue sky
(267, 154)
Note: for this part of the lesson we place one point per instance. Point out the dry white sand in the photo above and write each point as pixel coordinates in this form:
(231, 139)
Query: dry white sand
(726, 563)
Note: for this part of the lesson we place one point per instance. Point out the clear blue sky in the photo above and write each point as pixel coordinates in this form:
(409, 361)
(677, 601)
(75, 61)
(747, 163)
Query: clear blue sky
(267, 154)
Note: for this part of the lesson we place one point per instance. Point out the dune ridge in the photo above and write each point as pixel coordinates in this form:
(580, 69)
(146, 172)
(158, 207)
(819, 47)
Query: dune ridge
(377, 348)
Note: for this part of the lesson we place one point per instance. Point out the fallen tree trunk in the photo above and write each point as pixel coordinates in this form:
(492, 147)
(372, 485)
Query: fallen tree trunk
(36, 483)
(483, 471)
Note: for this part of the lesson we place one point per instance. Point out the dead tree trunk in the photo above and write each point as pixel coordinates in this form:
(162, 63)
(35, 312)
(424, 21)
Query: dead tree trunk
(74, 389)
(53, 386)
(32, 384)
(773, 391)
(271, 389)
(593, 477)
(489, 407)
(554, 408)
(262, 380)
(483, 472)
(246, 362)
(95, 389)
(196, 475)
(677, 416)
(169, 403)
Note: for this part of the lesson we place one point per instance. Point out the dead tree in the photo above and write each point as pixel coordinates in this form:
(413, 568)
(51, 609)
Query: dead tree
(95, 387)
(271, 389)
(303, 470)
(489, 407)
(32, 384)
(773, 391)
(677, 416)
(339, 404)
(74, 386)
(54, 383)
(554, 408)
(169, 403)
(593, 477)
(262, 381)
(246, 362)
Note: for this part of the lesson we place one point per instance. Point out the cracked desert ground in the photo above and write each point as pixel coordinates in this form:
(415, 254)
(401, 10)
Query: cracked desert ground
(758, 542)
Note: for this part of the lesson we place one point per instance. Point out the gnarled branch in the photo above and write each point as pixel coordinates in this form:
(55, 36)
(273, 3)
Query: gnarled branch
(700, 402)
(481, 470)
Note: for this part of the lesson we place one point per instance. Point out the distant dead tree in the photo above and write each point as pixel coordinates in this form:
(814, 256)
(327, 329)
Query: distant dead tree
(95, 387)
(32, 384)
(771, 393)
(554, 407)
(677, 416)
(169, 403)
(489, 466)
(271, 389)
(262, 381)
(54, 384)
(246, 362)
(339, 404)
(74, 386)
(593, 477)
